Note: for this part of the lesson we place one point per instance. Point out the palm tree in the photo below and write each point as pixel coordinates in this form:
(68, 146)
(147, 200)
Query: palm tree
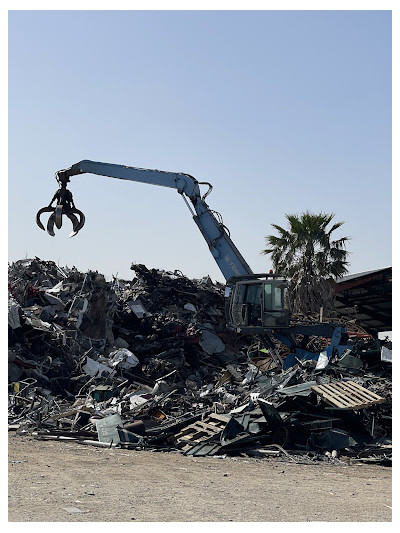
(307, 254)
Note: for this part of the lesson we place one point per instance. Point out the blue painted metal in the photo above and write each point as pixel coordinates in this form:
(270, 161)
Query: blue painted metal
(305, 355)
(227, 256)
(335, 340)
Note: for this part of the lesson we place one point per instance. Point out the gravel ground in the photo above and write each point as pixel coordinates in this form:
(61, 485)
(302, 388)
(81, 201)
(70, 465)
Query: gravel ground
(52, 481)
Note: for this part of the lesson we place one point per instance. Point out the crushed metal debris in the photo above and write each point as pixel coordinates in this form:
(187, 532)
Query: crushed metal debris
(149, 364)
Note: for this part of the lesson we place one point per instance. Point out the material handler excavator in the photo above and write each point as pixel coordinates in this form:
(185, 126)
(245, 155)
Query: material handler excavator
(254, 303)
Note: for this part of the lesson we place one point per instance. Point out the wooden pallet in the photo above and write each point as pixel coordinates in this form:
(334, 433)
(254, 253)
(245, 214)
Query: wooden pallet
(347, 395)
(200, 431)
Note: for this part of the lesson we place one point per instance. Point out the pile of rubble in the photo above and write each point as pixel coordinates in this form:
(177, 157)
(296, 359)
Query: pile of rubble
(149, 364)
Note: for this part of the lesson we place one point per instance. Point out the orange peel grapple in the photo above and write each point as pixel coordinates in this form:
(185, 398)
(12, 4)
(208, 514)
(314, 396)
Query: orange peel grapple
(64, 206)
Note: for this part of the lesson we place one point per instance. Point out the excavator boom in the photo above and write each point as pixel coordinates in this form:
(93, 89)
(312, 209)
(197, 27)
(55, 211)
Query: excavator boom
(255, 302)
(225, 253)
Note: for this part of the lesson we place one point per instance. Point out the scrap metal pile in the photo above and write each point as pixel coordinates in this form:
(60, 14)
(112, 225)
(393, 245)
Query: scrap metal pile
(149, 364)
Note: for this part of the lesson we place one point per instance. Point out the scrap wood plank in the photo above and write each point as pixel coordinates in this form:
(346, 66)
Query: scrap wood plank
(366, 397)
(363, 391)
(340, 396)
(201, 431)
(347, 395)
(200, 428)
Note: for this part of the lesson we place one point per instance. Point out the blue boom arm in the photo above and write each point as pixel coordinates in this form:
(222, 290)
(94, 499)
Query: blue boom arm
(225, 253)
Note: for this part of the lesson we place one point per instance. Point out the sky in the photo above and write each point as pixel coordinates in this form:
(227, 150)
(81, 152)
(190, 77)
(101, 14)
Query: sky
(282, 111)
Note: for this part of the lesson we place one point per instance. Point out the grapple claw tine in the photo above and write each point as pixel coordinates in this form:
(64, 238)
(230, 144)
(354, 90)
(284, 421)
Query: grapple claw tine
(58, 216)
(77, 227)
(75, 223)
(40, 212)
(50, 225)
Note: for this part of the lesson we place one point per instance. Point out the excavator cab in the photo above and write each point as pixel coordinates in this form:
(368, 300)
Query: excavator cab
(257, 305)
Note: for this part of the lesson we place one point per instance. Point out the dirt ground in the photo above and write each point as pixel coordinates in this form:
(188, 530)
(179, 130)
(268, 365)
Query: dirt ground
(50, 480)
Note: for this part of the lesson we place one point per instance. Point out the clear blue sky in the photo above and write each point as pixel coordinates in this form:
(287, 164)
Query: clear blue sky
(281, 111)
